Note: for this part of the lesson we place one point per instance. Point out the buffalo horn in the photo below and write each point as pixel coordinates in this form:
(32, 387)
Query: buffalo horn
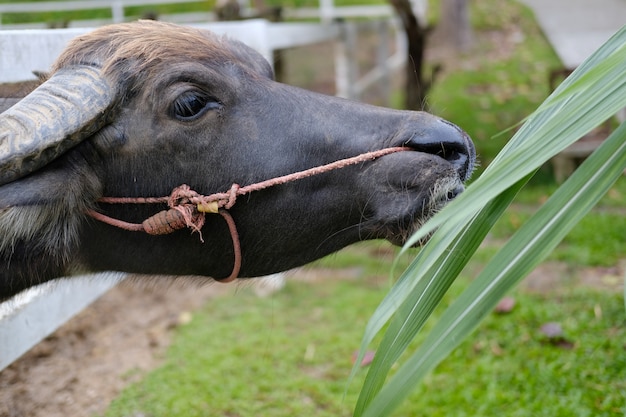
(56, 116)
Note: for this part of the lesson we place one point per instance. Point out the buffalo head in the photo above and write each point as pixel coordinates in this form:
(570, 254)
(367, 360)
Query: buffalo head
(137, 109)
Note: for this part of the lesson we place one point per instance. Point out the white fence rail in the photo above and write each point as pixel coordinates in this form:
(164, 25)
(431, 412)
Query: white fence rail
(24, 51)
(116, 6)
(327, 12)
(34, 314)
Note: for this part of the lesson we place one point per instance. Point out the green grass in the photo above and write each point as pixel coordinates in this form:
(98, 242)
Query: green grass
(243, 356)
(291, 355)
(510, 368)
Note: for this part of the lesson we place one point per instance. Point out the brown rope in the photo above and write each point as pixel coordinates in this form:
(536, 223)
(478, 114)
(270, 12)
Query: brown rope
(188, 208)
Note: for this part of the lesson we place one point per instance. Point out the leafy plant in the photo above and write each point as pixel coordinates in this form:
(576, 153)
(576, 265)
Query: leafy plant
(592, 94)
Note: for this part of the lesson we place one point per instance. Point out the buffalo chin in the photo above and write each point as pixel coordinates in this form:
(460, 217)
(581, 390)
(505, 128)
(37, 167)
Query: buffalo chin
(444, 191)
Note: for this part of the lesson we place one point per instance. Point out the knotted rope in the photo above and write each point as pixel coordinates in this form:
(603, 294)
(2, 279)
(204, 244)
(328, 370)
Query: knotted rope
(188, 208)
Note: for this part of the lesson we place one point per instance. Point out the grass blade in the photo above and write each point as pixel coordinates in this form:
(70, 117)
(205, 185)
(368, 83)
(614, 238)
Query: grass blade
(529, 246)
(592, 94)
(504, 172)
(414, 312)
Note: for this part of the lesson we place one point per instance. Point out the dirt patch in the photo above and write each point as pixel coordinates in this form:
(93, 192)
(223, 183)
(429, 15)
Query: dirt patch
(555, 276)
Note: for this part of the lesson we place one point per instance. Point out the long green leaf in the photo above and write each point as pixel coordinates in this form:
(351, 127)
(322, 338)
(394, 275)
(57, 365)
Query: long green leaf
(417, 308)
(529, 246)
(503, 173)
(593, 93)
(493, 183)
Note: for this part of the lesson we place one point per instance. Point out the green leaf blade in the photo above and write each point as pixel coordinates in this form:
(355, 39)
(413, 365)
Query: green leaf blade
(592, 94)
(523, 252)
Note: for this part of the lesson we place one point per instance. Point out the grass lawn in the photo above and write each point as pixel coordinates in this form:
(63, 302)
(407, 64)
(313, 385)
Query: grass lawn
(290, 354)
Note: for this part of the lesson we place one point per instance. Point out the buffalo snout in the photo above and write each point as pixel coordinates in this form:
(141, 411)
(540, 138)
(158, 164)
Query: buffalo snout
(403, 190)
(444, 139)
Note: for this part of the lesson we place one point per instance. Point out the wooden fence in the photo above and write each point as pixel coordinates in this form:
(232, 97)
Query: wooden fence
(32, 315)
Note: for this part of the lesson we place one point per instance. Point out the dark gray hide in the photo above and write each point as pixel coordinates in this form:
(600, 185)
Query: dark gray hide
(138, 109)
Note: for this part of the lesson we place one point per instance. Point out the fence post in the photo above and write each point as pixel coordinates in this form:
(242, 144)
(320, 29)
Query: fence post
(35, 313)
(382, 58)
(327, 11)
(346, 71)
(117, 11)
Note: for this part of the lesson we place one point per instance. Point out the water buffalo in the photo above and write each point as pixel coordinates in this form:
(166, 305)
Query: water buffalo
(137, 109)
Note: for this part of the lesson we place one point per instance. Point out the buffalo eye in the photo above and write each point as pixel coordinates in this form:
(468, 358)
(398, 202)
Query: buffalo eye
(192, 104)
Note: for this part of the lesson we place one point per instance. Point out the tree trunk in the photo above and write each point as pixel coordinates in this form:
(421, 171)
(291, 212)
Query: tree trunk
(416, 87)
(226, 10)
(454, 30)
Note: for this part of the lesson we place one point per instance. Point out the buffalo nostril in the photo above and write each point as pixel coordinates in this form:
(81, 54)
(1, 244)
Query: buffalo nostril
(447, 141)
(459, 149)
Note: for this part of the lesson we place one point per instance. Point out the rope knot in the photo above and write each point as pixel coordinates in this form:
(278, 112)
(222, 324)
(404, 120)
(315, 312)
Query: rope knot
(182, 194)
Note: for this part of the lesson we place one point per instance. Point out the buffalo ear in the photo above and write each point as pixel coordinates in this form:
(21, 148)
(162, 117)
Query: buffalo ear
(51, 187)
(41, 215)
(12, 93)
(39, 188)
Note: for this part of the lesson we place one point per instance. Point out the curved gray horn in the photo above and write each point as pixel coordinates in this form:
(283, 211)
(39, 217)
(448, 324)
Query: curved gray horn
(55, 117)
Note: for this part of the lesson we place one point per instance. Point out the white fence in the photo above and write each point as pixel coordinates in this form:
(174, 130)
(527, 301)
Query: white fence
(31, 316)
(116, 6)
(326, 12)
(24, 51)
(35, 49)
